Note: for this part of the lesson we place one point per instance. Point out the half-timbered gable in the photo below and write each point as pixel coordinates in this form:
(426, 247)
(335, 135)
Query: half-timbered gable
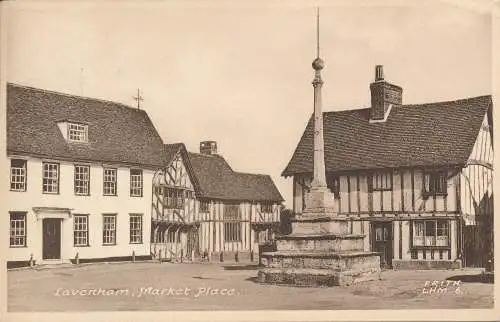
(420, 175)
(224, 211)
(475, 200)
(477, 175)
(174, 194)
(92, 179)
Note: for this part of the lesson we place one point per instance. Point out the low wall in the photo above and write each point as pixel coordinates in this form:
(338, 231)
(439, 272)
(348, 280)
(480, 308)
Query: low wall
(425, 264)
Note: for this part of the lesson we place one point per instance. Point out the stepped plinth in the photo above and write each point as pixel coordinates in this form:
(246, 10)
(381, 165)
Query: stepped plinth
(319, 251)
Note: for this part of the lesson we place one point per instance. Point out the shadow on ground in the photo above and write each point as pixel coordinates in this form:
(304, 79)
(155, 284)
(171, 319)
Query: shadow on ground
(206, 278)
(478, 278)
(252, 279)
(241, 267)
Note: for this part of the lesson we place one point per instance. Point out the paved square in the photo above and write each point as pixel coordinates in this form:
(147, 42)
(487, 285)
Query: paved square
(210, 286)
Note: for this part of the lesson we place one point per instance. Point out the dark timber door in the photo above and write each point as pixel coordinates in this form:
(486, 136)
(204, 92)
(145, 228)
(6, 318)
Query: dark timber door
(382, 242)
(193, 242)
(51, 238)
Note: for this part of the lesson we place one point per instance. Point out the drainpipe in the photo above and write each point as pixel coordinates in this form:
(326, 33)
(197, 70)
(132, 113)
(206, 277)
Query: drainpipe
(152, 209)
(250, 231)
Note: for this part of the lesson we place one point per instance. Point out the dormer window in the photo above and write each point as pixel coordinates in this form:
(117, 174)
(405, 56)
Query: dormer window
(78, 132)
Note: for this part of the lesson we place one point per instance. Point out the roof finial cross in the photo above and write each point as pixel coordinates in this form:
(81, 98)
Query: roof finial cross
(81, 81)
(138, 98)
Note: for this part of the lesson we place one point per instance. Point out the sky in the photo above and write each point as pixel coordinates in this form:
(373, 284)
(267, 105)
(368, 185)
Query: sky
(241, 74)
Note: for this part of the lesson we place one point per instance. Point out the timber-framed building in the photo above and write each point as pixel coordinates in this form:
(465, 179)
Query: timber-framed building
(92, 180)
(202, 206)
(416, 179)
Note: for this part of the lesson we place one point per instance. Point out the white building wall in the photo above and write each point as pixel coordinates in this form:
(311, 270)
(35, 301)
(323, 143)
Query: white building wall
(95, 205)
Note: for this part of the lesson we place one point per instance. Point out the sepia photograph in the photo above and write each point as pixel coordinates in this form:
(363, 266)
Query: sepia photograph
(241, 158)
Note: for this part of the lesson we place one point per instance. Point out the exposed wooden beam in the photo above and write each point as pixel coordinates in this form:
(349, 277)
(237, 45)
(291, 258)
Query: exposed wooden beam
(413, 189)
(402, 178)
(358, 193)
(482, 163)
(392, 190)
(348, 193)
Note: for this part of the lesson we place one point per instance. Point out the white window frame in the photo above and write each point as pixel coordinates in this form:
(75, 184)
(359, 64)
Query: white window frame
(135, 229)
(80, 230)
(50, 177)
(382, 181)
(435, 183)
(136, 183)
(110, 181)
(109, 229)
(18, 232)
(78, 132)
(266, 207)
(18, 175)
(232, 223)
(82, 180)
(440, 238)
(204, 206)
(175, 198)
(264, 236)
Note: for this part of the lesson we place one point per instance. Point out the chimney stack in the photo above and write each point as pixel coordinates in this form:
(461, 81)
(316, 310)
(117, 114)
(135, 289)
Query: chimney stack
(208, 147)
(384, 95)
(379, 73)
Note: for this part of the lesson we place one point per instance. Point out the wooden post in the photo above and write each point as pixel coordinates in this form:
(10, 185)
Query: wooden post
(31, 260)
(133, 256)
(159, 255)
(221, 257)
(236, 257)
(77, 259)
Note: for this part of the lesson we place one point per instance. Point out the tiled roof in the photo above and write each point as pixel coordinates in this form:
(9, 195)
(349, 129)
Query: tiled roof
(116, 133)
(431, 134)
(170, 150)
(213, 177)
(217, 180)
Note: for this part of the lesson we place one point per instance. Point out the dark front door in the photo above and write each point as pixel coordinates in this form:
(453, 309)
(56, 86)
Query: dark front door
(192, 242)
(382, 242)
(51, 238)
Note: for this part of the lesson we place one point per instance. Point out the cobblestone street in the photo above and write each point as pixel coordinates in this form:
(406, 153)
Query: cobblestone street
(154, 286)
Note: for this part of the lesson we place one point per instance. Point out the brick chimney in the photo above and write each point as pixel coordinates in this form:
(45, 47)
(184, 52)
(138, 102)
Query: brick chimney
(208, 147)
(384, 96)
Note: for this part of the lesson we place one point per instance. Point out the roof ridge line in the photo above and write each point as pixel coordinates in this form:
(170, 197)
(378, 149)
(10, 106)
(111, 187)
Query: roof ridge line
(172, 144)
(458, 100)
(252, 174)
(207, 155)
(117, 104)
